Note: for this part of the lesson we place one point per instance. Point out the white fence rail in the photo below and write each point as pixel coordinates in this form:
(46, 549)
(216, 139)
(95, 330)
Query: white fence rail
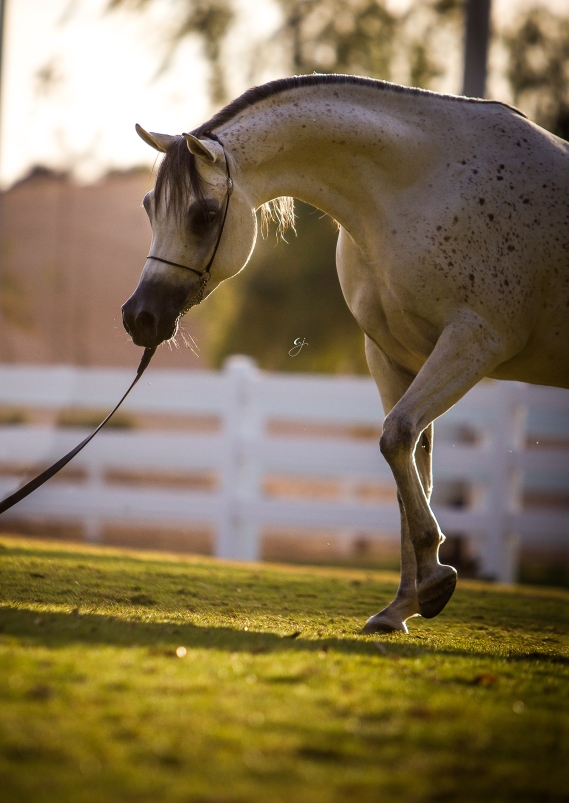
(481, 443)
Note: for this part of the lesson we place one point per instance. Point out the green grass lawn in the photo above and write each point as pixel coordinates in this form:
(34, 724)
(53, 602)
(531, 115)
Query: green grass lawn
(275, 696)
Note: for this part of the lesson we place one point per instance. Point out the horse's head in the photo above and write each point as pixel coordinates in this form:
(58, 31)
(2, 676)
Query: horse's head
(196, 212)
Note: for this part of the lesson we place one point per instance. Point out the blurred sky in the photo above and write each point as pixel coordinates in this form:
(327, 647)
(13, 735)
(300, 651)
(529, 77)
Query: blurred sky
(76, 79)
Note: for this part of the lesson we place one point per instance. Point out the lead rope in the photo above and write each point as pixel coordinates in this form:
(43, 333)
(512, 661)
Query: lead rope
(32, 485)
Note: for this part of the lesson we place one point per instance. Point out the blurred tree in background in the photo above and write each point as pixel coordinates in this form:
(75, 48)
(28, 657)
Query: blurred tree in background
(209, 20)
(292, 290)
(359, 37)
(538, 68)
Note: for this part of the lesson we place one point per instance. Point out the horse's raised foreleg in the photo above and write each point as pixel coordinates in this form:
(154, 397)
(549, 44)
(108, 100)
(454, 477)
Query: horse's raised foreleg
(392, 383)
(467, 350)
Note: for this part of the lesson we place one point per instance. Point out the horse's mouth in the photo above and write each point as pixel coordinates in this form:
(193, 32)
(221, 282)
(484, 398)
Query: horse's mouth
(150, 316)
(147, 336)
(146, 332)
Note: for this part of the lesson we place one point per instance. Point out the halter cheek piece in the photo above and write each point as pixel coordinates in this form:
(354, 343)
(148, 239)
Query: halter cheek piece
(204, 274)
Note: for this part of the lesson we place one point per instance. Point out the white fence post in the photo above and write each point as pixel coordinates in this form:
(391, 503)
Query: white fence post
(239, 531)
(499, 551)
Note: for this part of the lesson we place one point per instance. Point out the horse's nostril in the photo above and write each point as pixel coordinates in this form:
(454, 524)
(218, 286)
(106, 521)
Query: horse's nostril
(146, 323)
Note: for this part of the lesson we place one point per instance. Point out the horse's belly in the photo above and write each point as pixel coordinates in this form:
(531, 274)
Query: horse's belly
(544, 360)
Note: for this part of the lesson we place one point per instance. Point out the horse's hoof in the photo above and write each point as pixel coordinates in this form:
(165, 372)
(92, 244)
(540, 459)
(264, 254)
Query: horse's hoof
(434, 597)
(380, 624)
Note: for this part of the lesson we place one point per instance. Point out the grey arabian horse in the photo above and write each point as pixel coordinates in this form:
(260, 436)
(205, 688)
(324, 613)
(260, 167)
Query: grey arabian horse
(453, 253)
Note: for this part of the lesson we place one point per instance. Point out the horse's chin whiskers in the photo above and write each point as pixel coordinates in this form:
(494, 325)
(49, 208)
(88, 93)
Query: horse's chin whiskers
(189, 343)
(172, 341)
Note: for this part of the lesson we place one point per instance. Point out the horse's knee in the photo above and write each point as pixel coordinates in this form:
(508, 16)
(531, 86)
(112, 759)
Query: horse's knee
(398, 437)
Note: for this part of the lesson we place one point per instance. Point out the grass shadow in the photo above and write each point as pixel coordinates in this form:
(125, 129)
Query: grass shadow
(58, 630)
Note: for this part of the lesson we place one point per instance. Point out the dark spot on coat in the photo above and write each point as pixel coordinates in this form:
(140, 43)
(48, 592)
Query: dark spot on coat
(482, 201)
(490, 216)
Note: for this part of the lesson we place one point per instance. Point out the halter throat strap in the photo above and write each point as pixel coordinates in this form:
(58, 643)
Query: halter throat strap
(229, 190)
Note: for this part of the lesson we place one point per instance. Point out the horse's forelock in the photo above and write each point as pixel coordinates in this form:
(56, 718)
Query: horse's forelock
(178, 179)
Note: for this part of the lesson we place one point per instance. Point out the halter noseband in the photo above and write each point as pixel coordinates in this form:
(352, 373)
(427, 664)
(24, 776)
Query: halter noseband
(205, 273)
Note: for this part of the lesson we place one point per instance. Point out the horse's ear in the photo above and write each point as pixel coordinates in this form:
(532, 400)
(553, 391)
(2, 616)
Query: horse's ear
(159, 142)
(206, 150)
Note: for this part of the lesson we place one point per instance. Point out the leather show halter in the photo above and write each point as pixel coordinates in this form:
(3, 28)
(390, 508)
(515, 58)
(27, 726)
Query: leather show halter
(204, 275)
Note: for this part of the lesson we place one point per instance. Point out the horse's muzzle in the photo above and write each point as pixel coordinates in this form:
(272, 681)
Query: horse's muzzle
(151, 314)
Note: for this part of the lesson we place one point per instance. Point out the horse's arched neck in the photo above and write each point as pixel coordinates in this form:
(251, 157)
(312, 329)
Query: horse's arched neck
(331, 146)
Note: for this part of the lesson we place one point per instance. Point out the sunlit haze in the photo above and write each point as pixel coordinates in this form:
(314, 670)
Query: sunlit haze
(77, 79)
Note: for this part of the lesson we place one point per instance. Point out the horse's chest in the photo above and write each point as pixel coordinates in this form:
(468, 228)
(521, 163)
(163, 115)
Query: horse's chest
(404, 335)
(390, 313)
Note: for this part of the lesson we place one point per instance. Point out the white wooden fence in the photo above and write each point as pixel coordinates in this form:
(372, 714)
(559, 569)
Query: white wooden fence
(493, 461)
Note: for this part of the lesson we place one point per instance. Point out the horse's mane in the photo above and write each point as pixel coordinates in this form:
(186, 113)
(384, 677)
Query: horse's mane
(258, 93)
(178, 175)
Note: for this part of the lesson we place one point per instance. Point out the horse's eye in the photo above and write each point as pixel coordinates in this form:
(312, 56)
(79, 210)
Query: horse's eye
(202, 215)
